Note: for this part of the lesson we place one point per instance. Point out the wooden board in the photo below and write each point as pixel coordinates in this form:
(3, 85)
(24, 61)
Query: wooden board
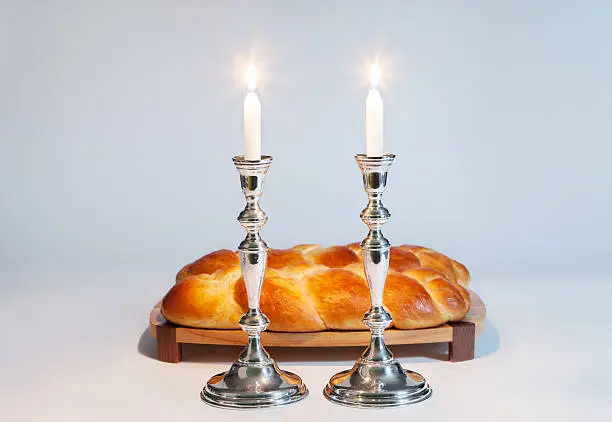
(460, 336)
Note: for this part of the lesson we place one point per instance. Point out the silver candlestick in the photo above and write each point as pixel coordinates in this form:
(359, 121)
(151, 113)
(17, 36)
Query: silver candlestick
(254, 380)
(377, 379)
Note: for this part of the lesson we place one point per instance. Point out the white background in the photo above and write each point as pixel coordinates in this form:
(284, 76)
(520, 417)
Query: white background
(118, 121)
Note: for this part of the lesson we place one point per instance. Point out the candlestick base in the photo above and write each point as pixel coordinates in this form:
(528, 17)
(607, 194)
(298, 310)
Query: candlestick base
(247, 386)
(377, 379)
(377, 384)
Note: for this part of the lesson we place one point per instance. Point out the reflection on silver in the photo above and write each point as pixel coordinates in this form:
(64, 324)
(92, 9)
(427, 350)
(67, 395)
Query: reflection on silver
(377, 379)
(254, 380)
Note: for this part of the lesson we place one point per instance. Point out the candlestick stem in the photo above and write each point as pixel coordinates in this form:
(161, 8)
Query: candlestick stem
(376, 379)
(254, 380)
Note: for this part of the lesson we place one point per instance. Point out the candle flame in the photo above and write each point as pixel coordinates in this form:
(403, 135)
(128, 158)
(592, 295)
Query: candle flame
(250, 75)
(375, 75)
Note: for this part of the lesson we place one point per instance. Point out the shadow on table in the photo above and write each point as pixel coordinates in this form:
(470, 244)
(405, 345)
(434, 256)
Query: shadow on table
(486, 344)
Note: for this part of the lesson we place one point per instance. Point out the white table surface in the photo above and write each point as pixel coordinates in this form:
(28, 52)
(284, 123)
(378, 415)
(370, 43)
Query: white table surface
(73, 349)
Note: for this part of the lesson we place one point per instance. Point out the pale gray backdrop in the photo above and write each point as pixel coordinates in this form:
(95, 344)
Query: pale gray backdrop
(118, 121)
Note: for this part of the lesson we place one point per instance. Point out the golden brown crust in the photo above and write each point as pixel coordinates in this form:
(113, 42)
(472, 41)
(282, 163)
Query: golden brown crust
(208, 264)
(311, 288)
(401, 259)
(334, 256)
(279, 258)
(285, 304)
(201, 301)
(461, 273)
(409, 303)
(341, 298)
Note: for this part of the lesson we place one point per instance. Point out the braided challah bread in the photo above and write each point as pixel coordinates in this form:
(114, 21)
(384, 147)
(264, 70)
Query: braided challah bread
(312, 288)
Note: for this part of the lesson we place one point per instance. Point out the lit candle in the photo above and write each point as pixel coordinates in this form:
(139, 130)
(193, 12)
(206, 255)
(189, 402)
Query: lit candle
(252, 118)
(374, 116)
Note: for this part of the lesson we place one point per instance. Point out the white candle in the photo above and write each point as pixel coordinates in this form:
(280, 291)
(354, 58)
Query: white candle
(374, 116)
(252, 118)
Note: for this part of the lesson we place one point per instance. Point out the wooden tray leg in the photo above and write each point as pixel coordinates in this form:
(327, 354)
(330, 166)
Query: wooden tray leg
(464, 341)
(168, 350)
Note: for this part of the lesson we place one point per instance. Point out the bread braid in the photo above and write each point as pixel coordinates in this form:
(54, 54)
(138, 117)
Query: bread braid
(313, 288)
